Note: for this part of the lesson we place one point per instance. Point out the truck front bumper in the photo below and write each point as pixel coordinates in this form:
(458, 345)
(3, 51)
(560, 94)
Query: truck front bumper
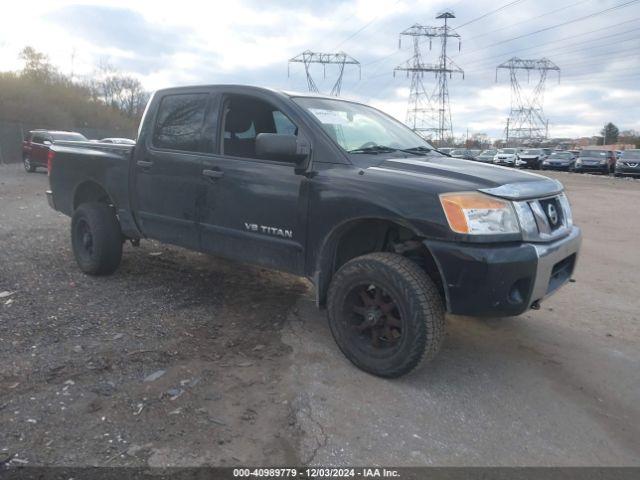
(503, 280)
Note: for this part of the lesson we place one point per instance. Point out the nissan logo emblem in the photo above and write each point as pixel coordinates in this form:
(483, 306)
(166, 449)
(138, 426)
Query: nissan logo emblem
(552, 213)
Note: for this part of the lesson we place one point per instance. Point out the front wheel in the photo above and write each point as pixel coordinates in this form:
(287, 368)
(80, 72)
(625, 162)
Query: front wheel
(28, 166)
(96, 238)
(385, 314)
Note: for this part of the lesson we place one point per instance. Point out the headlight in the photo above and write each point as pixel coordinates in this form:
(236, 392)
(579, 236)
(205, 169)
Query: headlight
(566, 209)
(478, 214)
(578, 162)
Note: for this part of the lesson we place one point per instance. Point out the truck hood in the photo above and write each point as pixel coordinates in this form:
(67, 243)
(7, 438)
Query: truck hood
(491, 179)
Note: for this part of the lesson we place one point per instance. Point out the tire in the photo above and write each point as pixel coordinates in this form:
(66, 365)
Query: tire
(96, 238)
(400, 300)
(28, 166)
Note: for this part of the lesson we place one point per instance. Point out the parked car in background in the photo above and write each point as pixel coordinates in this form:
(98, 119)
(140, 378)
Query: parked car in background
(628, 164)
(475, 153)
(531, 158)
(486, 156)
(35, 147)
(575, 152)
(119, 141)
(560, 161)
(445, 150)
(602, 161)
(462, 153)
(506, 156)
(618, 154)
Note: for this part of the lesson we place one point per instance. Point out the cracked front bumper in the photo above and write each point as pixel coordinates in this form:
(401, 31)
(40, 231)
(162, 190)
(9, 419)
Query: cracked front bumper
(503, 280)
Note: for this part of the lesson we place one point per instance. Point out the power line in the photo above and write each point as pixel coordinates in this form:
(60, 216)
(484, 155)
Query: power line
(513, 51)
(575, 20)
(361, 29)
(499, 9)
(519, 50)
(512, 25)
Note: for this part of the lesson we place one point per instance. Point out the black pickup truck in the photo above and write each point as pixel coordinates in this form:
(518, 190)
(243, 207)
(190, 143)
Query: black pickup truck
(391, 232)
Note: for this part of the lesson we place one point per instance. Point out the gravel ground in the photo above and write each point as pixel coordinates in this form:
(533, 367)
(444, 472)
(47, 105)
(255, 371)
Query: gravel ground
(183, 359)
(80, 355)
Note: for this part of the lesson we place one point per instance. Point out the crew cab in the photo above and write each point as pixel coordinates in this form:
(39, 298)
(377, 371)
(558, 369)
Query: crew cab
(35, 147)
(392, 233)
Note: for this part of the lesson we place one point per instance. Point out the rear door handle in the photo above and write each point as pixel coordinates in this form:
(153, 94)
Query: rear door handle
(213, 173)
(144, 163)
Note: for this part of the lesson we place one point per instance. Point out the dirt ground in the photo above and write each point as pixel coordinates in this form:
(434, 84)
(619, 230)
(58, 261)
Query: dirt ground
(183, 359)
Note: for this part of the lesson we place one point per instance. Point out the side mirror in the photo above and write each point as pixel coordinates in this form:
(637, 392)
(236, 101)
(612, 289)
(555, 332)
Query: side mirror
(282, 147)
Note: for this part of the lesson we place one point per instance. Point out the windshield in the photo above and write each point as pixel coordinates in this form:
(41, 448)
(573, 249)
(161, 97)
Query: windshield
(488, 152)
(70, 137)
(593, 153)
(532, 152)
(507, 150)
(631, 154)
(355, 126)
(561, 154)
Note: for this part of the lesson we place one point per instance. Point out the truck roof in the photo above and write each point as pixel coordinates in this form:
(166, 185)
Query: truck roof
(250, 88)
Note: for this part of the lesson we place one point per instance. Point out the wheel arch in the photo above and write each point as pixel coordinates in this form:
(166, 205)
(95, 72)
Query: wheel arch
(359, 236)
(90, 191)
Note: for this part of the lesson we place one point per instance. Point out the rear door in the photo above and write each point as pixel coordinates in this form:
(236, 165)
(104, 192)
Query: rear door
(39, 148)
(168, 170)
(254, 208)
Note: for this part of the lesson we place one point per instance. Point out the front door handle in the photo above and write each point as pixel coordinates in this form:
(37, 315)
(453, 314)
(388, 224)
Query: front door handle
(144, 163)
(213, 173)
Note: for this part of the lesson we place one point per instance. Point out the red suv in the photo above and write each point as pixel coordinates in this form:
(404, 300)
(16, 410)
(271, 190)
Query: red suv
(35, 148)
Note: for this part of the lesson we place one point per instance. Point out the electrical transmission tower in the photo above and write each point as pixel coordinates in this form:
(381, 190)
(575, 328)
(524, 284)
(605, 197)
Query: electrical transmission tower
(341, 59)
(527, 123)
(428, 113)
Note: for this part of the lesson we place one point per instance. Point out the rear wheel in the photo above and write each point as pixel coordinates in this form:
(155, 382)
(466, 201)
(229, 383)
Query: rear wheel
(385, 314)
(96, 238)
(28, 166)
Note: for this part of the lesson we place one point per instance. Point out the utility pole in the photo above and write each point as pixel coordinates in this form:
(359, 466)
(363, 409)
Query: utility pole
(429, 114)
(506, 142)
(527, 121)
(308, 58)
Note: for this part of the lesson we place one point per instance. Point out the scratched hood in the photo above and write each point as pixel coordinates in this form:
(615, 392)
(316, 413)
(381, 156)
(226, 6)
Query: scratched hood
(467, 175)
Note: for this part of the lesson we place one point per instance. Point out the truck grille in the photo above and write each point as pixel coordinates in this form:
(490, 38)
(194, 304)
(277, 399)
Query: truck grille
(544, 219)
(552, 211)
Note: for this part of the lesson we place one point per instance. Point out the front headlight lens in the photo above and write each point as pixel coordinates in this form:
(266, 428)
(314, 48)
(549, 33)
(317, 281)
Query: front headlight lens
(566, 209)
(475, 213)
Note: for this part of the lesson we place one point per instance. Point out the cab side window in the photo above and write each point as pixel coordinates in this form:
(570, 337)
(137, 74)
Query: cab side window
(179, 122)
(245, 118)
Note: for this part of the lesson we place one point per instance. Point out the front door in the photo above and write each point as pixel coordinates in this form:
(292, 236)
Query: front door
(168, 171)
(254, 209)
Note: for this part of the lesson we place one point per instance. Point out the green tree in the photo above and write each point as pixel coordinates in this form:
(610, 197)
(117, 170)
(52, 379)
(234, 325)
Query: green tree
(610, 134)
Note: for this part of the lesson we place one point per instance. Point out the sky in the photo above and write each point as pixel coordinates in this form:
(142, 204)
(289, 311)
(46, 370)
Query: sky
(250, 42)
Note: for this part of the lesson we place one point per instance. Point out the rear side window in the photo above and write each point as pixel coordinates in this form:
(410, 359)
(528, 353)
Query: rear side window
(179, 122)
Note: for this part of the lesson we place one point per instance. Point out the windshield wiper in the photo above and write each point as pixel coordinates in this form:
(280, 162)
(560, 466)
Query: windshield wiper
(373, 149)
(384, 149)
(416, 150)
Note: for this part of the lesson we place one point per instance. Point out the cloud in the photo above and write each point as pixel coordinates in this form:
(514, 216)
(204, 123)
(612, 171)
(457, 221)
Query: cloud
(250, 41)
